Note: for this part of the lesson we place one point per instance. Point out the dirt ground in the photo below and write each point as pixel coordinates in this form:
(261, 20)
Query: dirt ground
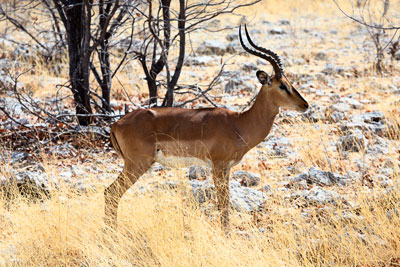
(328, 193)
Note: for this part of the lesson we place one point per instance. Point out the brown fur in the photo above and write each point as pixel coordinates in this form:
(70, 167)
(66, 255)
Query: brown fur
(216, 135)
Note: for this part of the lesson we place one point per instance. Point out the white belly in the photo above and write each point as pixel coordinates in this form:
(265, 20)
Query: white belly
(178, 162)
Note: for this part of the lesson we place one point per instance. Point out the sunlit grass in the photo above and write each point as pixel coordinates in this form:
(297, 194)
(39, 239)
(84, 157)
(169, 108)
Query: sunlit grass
(165, 228)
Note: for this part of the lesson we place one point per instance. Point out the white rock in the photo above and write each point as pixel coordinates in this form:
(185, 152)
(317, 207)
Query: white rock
(66, 175)
(320, 177)
(197, 172)
(353, 103)
(340, 107)
(352, 142)
(242, 198)
(247, 178)
(317, 195)
(214, 47)
(200, 61)
(336, 116)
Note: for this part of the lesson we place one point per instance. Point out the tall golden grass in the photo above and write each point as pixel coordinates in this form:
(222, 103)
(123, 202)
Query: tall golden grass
(165, 228)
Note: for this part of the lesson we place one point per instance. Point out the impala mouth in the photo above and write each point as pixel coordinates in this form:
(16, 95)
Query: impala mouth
(302, 108)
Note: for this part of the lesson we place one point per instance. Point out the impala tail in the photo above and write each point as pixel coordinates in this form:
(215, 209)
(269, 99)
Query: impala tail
(115, 144)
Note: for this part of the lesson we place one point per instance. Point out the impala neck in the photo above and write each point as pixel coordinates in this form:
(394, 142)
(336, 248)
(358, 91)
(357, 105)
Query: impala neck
(256, 123)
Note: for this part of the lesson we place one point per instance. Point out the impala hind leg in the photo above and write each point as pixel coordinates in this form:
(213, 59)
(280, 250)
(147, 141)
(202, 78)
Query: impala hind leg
(221, 182)
(112, 194)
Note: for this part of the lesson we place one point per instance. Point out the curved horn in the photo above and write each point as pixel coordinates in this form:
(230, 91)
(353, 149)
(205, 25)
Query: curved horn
(264, 50)
(268, 57)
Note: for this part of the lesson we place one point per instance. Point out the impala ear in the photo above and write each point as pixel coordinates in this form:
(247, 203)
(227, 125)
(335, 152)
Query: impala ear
(263, 77)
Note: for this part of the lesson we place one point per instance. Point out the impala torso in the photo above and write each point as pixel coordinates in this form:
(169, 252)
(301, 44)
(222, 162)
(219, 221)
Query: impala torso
(205, 136)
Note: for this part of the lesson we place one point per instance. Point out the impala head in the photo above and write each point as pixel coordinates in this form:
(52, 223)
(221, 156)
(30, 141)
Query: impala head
(281, 91)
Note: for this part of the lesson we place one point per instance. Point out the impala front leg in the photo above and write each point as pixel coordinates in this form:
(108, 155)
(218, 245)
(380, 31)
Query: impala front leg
(221, 182)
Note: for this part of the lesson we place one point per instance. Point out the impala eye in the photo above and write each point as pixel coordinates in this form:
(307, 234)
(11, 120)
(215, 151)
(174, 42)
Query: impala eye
(283, 87)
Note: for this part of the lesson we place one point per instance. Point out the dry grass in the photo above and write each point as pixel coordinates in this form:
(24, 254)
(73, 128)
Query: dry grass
(166, 228)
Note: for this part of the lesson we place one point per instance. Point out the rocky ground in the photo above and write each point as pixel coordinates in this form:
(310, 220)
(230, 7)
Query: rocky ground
(346, 145)
(361, 131)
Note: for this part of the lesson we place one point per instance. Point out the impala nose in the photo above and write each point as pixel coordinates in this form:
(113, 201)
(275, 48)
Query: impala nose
(306, 105)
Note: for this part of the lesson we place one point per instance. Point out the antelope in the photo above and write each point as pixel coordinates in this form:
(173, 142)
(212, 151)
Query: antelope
(213, 136)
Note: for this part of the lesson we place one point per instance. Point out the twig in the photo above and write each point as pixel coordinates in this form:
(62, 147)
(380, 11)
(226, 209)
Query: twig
(363, 22)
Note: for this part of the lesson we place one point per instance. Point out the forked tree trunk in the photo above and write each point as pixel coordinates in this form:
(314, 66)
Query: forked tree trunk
(76, 21)
(169, 98)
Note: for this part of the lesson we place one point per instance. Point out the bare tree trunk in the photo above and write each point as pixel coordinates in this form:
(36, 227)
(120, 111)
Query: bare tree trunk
(379, 66)
(104, 57)
(77, 23)
(169, 98)
(105, 84)
(151, 83)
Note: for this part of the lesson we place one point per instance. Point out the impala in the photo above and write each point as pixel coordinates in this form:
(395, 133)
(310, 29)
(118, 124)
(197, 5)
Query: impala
(214, 136)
